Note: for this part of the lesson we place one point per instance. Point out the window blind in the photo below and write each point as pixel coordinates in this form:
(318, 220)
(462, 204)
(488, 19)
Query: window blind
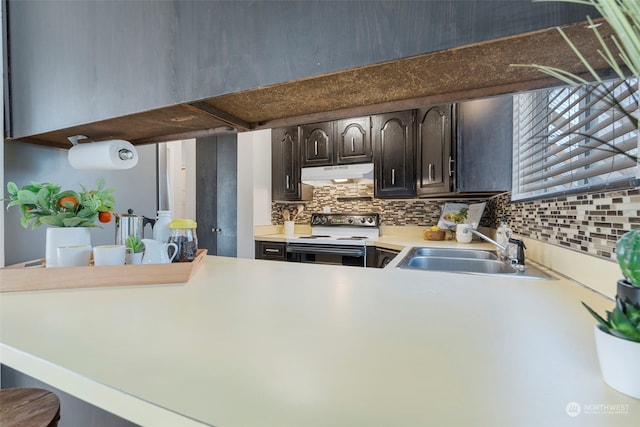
(575, 138)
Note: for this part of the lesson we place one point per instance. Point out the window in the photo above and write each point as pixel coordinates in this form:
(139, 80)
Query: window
(571, 139)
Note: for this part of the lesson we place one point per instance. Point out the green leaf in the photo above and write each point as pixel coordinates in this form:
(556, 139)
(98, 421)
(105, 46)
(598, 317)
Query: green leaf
(621, 324)
(12, 188)
(599, 318)
(27, 197)
(100, 182)
(624, 336)
(43, 198)
(14, 203)
(72, 222)
(632, 312)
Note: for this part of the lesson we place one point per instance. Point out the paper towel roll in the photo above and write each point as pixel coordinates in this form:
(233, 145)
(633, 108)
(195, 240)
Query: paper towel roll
(103, 155)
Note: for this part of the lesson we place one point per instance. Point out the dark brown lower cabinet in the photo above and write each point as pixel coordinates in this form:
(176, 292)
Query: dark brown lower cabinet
(271, 250)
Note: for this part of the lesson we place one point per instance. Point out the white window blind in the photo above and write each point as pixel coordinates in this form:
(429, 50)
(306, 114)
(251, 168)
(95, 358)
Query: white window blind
(571, 139)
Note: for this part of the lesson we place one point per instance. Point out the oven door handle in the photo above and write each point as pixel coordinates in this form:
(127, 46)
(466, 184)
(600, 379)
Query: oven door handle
(316, 249)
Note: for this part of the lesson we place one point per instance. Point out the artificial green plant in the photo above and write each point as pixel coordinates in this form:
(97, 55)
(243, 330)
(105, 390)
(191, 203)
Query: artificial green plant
(134, 243)
(46, 203)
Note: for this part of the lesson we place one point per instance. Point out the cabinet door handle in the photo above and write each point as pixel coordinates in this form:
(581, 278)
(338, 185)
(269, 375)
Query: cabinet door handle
(315, 147)
(451, 165)
(353, 145)
(432, 176)
(272, 251)
(287, 182)
(393, 177)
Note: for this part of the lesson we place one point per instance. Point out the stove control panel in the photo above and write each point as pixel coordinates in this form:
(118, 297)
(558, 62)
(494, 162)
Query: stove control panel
(352, 219)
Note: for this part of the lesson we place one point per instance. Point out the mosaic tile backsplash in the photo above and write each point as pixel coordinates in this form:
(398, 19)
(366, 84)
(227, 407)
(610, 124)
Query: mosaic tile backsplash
(589, 223)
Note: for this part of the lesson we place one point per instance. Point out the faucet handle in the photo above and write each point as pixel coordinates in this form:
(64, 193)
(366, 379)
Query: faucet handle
(520, 250)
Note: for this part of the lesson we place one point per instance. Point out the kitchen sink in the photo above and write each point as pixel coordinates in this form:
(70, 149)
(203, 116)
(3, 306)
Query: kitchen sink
(466, 261)
(454, 253)
(468, 265)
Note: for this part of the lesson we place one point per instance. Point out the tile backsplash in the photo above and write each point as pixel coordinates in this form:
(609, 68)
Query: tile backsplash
(589, 223)
(359, 198)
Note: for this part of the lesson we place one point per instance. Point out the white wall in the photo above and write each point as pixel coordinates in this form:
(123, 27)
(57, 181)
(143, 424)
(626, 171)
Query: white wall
(254, 187)
(181, 166)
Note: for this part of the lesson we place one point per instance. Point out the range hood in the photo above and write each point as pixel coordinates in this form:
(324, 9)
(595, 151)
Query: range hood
(319, 176)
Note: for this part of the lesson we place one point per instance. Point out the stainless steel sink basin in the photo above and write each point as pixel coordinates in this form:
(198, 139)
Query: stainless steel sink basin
(454, 253)
(469, 265)
(466, 261)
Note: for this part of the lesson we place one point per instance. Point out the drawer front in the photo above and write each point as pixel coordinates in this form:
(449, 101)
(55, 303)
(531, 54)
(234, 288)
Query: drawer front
(271, 250)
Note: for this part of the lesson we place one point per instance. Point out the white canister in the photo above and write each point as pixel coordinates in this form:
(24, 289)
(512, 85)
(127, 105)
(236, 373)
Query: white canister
(463, 235)
(289, 228)
(161, 227)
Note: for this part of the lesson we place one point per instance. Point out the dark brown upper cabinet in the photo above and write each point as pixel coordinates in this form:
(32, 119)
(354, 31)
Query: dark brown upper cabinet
(484, 145)
(393, 137)
(434, 152)
(353, 140)
(337, 142)
(285, 166)
(317, 144)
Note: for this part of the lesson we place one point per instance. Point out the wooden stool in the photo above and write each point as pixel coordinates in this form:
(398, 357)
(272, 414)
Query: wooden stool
(28, 407)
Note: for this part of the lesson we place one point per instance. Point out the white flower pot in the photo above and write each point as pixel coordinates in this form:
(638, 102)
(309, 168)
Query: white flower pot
(64, 236)
(619, 362)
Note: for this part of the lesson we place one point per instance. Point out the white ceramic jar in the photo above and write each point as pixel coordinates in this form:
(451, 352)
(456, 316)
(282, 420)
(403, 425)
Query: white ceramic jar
(161, 227)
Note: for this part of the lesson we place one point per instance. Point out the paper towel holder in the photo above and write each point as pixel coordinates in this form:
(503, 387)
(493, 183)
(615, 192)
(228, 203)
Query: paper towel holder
(124, 153)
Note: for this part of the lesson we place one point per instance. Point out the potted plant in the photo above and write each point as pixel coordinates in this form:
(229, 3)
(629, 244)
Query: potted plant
(69, 214)
(618, 346)
(46, 203)
(136, 245)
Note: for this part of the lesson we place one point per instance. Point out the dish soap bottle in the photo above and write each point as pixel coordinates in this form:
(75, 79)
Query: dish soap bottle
(503, 234)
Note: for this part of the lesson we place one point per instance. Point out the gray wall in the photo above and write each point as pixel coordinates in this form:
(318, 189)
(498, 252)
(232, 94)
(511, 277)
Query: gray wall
(23, 163)
(77, 62)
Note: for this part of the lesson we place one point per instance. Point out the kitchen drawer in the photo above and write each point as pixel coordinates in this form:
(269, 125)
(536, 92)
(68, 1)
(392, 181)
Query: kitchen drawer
(271, 250)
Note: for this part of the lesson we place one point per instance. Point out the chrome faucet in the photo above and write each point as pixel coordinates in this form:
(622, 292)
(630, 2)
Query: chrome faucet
(517, 261)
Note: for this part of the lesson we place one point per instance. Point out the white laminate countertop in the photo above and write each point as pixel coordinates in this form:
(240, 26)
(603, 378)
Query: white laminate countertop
(264, 343)
(393, 241)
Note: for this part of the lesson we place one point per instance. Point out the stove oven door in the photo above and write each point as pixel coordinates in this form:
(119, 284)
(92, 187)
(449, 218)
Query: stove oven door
(327, 254)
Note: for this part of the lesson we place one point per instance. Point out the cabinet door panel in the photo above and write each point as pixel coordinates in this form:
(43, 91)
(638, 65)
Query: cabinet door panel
(353, 140)
(433, 160)
(393, 142)
(317, 144)
(485, 135)
(285, 168)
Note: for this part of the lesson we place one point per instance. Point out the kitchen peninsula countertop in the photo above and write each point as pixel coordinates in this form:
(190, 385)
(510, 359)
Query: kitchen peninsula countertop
(263, 343)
